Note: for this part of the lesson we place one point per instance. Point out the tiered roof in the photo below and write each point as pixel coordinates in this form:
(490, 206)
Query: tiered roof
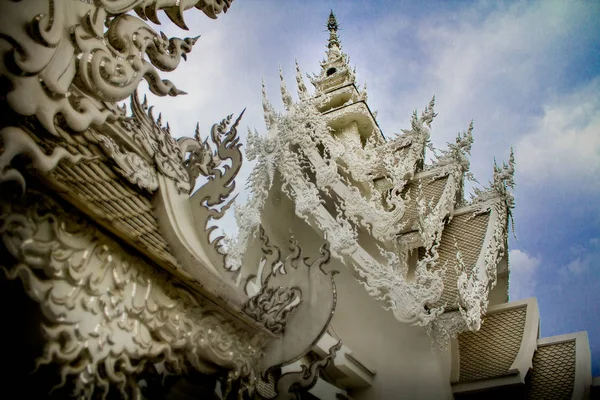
(333, 157)
(416, 244)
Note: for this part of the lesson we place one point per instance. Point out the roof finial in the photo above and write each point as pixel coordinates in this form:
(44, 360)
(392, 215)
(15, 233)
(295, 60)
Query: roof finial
(302, 92)
(268, 111)
(285, 95)
(332, 26)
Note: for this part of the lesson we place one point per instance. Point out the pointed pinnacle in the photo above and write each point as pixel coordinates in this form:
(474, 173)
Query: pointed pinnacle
(332, 23)
(285, 95)
(267, 108)
(301, 87)
(332, 26)
(197, 132)
(175, 14)
(265, 100)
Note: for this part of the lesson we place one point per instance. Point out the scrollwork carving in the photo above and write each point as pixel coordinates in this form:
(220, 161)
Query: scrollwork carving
(108, 310)
(132, 166)
(290, 385)
(272, 306)
(149, 133)
(313, 164)
(445, 327)
(61, 49)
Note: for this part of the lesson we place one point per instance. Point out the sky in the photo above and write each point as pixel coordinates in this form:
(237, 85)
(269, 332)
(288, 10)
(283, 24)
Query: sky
(526, 73)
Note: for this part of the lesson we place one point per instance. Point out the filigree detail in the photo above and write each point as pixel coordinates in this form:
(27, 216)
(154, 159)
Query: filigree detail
(62, 50)
(272, 306)
(292, 149)
(475, 285)
(300, 146)
(472, 293)
(184, 160)
(105, 306)
(409, 299)
(457, 152)
(156, 140)
(290, 385)
(219, 163)
(131, 166)
(301, 87)
(445, 327)
(226, 148)
(500, 186)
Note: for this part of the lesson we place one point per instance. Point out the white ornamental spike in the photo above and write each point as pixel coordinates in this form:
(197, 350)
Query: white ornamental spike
(285, 95)
(429, 114)
(363, 93)
(302, 92)
(269, 112)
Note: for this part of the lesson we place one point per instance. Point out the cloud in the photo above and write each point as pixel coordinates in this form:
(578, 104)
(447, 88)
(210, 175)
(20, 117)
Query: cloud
(565, 142)
(498, 64)
(586, 259)
(523, 271)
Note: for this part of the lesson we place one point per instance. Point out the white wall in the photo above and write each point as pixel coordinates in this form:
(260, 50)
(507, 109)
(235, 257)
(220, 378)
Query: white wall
(401, 355)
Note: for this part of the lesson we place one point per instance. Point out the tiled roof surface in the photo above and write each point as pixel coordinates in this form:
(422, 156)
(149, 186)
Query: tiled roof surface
(468, 233)
(431, 190)
(267, 389)
(110, 197)
(491, 351)
(553, 374)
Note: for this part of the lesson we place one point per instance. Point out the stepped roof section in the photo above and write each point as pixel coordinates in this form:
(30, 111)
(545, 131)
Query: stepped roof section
(386, 214)
(506, 358)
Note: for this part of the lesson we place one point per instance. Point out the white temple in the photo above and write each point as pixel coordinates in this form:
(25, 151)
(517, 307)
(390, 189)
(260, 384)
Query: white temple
(359, 271)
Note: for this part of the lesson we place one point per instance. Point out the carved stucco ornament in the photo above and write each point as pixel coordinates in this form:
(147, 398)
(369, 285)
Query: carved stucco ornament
(292, 148)
(157, 142)
(106, 307)
(66, 62)
(310, 300)
(474, 286)
(61, 49)
(131, 166)
(290, 385)
(271, 306)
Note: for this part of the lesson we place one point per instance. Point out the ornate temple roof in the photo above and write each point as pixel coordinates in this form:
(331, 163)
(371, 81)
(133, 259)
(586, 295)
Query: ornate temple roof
(117, 248)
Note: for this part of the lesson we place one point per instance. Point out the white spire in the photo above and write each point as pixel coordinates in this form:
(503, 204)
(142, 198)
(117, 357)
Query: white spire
(285, 95)
(335, 68)
(269, 112)
(333, 44)
(363, 93)
(302, 92)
